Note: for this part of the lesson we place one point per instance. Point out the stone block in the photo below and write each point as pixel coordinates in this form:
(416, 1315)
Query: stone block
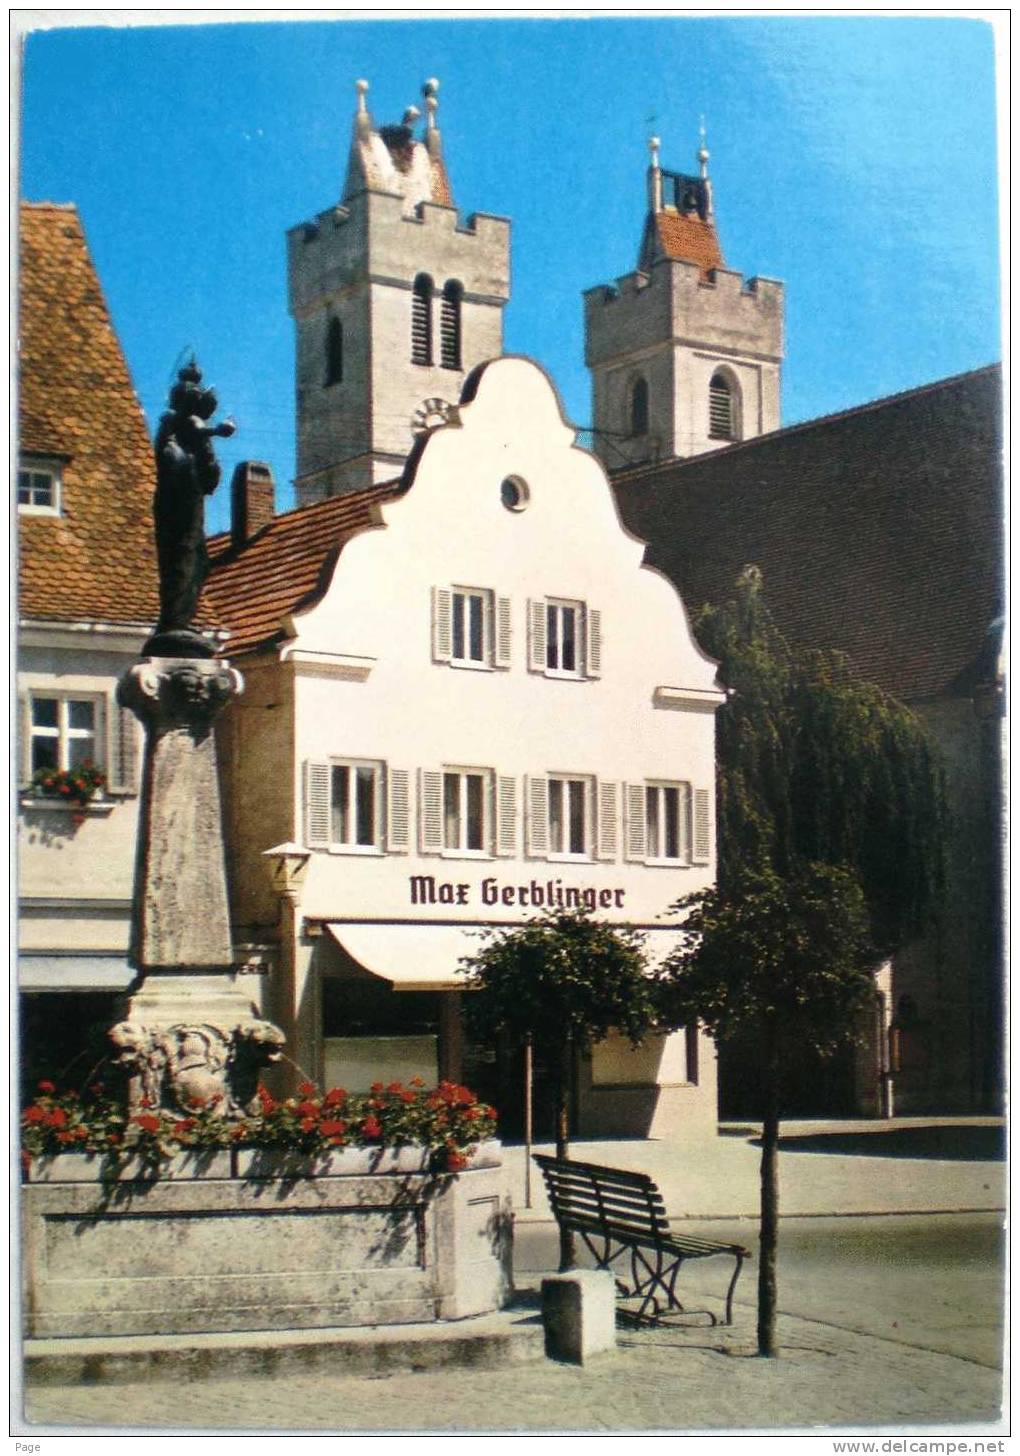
(579, 1314)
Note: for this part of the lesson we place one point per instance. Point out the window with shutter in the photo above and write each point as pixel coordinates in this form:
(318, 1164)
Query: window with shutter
(467, 813)
(421, 320)
(537, 790)
(398, 811)
(607, 837)
(667, 823)
(570, 817)
(316, 773)
(702, 837)
(506, 816)
(634, 831)
(355, 806)
(430, 811)
(450, 325)
(65, 732)
(721, 411)
(564, 639)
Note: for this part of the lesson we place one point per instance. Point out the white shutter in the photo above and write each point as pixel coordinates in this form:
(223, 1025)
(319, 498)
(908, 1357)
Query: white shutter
(685, 814)
(506, 816)
(536, 637)
(442, 624)
(430, 811)
(316, 803)
(607, 819)
(502, 633)
(537, 790)
(123, 749)
(702, 836)
(593, 628)
(634, 833)
(398, 810)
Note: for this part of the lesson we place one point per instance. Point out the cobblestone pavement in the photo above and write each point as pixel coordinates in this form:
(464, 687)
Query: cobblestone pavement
(657, 1380)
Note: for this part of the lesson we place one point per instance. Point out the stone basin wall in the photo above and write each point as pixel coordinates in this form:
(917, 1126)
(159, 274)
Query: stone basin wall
(369, 1239)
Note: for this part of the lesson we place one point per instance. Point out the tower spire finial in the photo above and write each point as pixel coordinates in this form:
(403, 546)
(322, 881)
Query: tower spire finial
(654, 175)
(362, 120)
(703, 152)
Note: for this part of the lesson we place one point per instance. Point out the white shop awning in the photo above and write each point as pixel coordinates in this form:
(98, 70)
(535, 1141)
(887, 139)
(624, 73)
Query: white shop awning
(410, 957)
(423, 957)
(56, 971)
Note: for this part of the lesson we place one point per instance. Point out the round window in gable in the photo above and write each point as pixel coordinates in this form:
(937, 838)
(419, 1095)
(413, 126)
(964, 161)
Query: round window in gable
(514, 493)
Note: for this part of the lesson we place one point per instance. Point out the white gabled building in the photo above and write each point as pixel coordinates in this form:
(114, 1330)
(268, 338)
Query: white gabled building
(467, 700)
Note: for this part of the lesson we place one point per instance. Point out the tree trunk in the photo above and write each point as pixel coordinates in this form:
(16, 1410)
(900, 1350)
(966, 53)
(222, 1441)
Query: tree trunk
(563, 1081)
(769, 1227)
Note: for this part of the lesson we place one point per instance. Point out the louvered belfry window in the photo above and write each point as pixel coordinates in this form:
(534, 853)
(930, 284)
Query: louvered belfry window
(721, 409)
(334, 352)
(639, 407)
(449, 325)
(421, 320)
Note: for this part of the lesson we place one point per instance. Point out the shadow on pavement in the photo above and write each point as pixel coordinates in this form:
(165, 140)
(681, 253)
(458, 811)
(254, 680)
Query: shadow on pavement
(950, 1144)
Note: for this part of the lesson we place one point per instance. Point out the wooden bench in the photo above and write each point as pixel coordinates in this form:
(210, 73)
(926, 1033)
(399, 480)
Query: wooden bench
(619, 1213)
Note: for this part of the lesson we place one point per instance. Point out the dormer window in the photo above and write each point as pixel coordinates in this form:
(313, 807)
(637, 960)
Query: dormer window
(639, 407)
(449, 325)
(722, 408)
(39, 488)
(421, 320)
(334, 352)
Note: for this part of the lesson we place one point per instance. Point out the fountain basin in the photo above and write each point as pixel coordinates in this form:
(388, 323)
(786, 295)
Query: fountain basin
(275, 1249)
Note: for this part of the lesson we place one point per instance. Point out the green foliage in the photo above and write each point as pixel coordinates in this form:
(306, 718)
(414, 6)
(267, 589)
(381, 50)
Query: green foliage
(815, 766)
(562, 976)
(783, 959)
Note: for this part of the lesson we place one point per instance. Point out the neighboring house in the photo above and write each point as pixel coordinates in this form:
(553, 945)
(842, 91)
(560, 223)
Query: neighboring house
(466, 701)
(879, 533)
(86, 602)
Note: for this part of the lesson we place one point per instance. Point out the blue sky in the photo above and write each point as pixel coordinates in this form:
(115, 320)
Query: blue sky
(854, 158)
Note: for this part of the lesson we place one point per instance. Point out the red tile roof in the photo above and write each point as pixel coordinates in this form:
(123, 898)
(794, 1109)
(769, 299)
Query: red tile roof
(96, 561)
(252, 589)
(879, 531)
(688, 239)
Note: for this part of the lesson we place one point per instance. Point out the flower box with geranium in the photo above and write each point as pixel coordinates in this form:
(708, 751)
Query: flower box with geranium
(76, 786)
(410, 1128)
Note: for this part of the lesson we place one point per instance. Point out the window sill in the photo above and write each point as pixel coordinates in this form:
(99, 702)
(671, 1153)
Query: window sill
(465, 854)
(570, 859)
(370, 851)
(463, 662)
(667, 864)
(559, 675)
(97, 809)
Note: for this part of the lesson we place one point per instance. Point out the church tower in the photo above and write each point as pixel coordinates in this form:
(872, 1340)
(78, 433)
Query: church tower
(685, 356)
(394, 302)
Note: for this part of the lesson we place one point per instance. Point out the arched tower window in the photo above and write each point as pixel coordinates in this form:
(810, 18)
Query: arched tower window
(449, 324)
(421, 320)
(639, 407)
(722, 408)
(334, 352)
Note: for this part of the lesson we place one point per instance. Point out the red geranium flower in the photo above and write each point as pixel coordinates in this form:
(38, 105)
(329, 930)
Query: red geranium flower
(56, 1118)
(395, 1087)
(407, 1096)
(332, 1127)
(307, 1089)
(35, 1113)
(46, 1087)
(377, 1087)
(113, 1138)
(307, 1123)
(147, 1122)
(266, 1098)
(334, 1097)
(65, 1137)
(184, 1125)
(307, 1109)
(417, 1082)
(455, 1161)
(371, 1127)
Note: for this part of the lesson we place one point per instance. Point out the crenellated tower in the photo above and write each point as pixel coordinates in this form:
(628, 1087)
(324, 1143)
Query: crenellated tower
(394, 301)
(685, 355)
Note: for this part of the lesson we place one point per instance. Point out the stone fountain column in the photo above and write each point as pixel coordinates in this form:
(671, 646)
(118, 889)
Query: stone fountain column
(189, 1034)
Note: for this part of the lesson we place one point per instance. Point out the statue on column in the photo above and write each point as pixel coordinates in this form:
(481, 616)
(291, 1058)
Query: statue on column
(186, 472)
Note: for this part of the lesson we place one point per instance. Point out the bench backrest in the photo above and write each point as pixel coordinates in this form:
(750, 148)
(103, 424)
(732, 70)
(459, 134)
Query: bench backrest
(587, 1195)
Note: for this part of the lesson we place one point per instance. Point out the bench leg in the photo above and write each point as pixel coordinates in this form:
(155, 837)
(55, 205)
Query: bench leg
(733, 1285)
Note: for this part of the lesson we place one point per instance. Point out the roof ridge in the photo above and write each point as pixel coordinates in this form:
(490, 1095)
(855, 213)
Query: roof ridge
(379, 487)
(800, 425)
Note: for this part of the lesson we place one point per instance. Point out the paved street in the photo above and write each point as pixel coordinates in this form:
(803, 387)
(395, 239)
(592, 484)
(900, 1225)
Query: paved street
(887, 1321)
